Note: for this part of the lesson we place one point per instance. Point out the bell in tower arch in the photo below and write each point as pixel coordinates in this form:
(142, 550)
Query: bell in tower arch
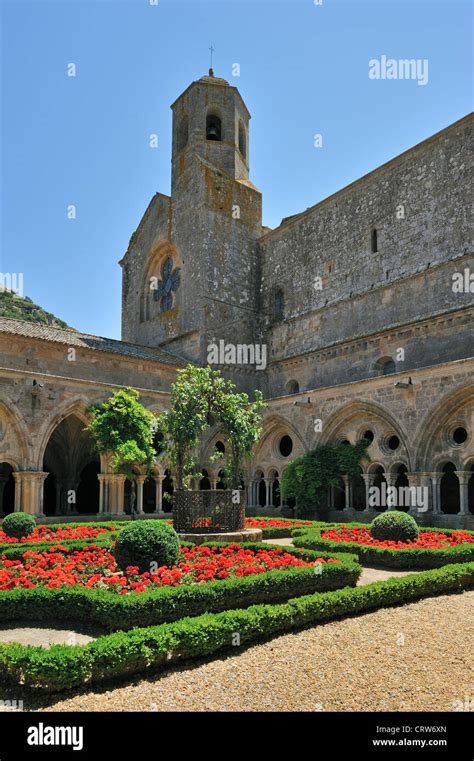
(213, 127)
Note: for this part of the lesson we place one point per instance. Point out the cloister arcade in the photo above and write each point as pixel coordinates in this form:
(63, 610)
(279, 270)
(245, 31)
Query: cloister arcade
(64, 475)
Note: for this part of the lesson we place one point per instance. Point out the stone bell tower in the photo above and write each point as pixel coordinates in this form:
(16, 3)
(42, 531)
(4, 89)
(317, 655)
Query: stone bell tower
(191, 272)
(211, 120)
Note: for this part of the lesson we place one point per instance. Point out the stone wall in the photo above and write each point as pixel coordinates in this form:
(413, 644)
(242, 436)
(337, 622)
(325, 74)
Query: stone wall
(408, 278)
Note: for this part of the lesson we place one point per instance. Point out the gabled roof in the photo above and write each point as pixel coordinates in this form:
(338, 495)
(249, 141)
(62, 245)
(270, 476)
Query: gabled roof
(71, 337)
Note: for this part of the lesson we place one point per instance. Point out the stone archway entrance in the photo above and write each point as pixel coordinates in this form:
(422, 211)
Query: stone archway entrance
(73, 463)
(7, 489)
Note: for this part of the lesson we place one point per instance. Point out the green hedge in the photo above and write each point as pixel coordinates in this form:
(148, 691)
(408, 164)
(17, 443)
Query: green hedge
(142, 650)
(418, 557)
(111, 611)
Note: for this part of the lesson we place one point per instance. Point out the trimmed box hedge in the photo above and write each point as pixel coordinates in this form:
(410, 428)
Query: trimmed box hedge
(111, 611)
(143, 650)
(418, 557)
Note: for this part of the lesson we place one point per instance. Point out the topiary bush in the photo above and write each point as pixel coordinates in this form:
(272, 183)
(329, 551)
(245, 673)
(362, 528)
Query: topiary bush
(142, 543)
(394, 526)
(18, 525)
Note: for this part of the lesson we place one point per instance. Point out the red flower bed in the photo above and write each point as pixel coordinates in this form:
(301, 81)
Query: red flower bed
(433, 540)
(273, 523)
(50, 534)
(95, 567)
(254, 523)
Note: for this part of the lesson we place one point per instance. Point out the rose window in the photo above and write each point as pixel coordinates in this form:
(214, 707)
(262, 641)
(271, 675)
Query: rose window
(169, 283)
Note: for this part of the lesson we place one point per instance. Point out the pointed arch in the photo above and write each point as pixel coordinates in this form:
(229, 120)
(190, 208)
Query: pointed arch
(275, 423)
(370, 412)
(430, 444)
(79, 408)
(13, 437)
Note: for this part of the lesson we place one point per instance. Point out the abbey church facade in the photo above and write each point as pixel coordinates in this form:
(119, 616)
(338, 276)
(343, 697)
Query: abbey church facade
(354, 318)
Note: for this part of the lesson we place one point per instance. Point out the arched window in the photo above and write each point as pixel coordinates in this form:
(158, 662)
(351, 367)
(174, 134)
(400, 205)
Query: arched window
(385, 366)
(278, 305)
(449, 492)
(292, 387)
(242, 140)
(213, 127)
(169, 283)
(374, 242)
(182, 133)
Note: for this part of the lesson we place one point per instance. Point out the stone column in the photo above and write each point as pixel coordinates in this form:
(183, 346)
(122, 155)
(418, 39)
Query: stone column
(347, 491)
(159, 493)
(435, 484)
(213, 481)
(140, 480)
(368, 480)
(250, 493)
(419, 481)
(425, 483)
(463, 476)
(390, 479)
(268, 497)
(116, 492)
(29, 491)
(101, 477)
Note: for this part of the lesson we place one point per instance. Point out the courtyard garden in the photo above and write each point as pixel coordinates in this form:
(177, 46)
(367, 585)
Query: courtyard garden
(195, 601)
(138, 597)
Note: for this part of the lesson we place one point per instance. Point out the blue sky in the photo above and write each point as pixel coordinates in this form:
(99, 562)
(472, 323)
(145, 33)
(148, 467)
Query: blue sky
(85, 140)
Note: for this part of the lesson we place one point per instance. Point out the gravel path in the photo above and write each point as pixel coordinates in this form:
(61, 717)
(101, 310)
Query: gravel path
(46, 637)
(368, 574)
(416, 657)
(36, 635)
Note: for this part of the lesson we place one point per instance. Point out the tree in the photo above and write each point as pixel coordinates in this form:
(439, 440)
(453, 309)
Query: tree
(200, 397)
(308, 478)
(123, 427)
(241, 421)
(182, 424)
